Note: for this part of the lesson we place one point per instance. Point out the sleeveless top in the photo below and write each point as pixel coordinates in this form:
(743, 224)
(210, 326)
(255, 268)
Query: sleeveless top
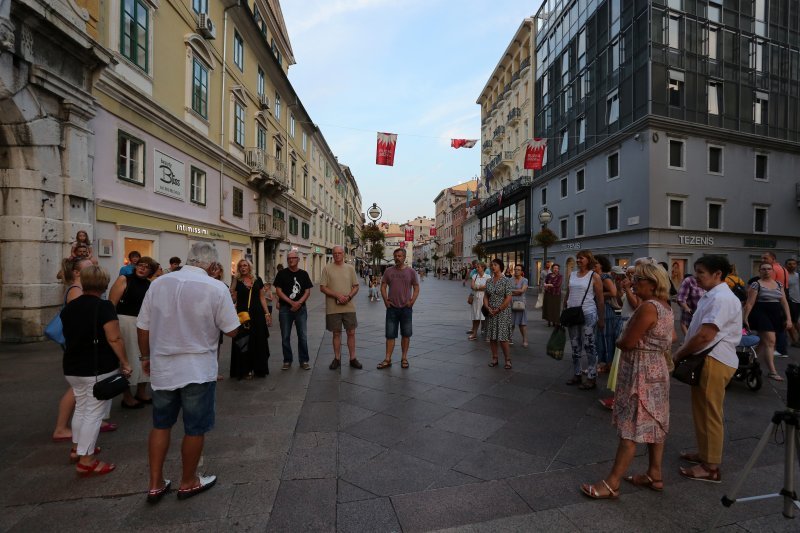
(577, 288)
(659, 337)
(766, 295)
(132, 298)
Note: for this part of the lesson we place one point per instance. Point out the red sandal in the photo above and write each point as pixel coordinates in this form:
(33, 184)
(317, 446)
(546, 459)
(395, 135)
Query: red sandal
(97, 468)
(74, 457)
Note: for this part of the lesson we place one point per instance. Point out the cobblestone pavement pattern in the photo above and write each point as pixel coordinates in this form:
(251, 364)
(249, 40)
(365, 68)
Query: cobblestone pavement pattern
(447, 444)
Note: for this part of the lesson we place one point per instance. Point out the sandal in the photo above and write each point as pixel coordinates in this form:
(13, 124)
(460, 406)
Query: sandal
(643, 480)
(706, 474)
(97, 468)
(493, 363)
(472, 337)
(507, 366)
(74, 457)
(384, 364)
(691, 457)
(775, 376)
(107, 427)
(593, 493)
(404, 363)
(575, 380)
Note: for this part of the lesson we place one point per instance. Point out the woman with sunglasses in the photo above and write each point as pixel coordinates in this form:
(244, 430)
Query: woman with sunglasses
(641, 404)
(767, 311)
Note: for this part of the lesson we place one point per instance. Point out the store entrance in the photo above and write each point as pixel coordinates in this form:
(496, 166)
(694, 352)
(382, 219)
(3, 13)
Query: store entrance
(145, 247)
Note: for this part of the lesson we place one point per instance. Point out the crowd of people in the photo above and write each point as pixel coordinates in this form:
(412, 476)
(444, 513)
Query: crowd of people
(163, 333)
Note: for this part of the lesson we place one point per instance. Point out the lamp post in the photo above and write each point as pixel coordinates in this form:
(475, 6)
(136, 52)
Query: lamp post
(545, 216)
(374, 213)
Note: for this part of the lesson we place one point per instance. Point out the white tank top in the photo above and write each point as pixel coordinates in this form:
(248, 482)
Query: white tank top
(577, 288)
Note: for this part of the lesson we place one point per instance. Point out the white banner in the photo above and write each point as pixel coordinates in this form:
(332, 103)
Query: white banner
(169, 176)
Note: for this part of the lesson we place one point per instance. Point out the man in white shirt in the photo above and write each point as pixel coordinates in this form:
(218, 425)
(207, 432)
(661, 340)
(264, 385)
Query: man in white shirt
(716, 325)
(178, 329)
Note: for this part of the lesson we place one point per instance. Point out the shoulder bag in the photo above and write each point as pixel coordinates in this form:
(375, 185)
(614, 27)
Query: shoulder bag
(244, 316)
(113, 385)
(573, 316)
(54, 330)
(690, 369)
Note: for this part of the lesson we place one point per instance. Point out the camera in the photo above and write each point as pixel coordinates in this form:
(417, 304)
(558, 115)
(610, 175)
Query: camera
(793, 387)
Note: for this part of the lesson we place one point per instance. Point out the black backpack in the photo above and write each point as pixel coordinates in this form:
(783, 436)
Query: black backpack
(740, 291)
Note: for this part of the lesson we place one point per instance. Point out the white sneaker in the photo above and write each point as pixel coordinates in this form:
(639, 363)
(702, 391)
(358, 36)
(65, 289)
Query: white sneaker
(779, 355)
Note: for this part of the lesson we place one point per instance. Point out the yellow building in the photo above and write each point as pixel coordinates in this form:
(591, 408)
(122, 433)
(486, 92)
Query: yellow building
(201, 136)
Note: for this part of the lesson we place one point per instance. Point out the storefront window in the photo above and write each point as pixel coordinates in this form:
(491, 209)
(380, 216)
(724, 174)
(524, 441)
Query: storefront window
(677, 271)
(236, 256)
(143, 246)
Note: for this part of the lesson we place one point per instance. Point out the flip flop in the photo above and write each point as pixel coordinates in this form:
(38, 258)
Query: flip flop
(643, 480)
(774, 376)
(384, 364)
(404, 363)
(94, 469)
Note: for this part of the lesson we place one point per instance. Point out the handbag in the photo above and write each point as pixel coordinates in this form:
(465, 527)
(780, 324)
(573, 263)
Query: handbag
(470, 299)
(242, 343)
(54, 330)
(690, 369)
(113, 385)
(556, 343)
(573, 316)
(518, 306)
(244, 316)
(539, 300)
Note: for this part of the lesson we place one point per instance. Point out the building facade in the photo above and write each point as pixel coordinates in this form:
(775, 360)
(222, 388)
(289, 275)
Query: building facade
(446, 203)
(507, 113)
(673, 129)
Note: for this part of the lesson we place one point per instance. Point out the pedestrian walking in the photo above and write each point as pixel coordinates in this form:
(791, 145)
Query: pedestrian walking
(551, 305)
(641, 404)
(793, 295)
(94, 351)
(716, 330)
(499, 322)
(178, 325)
(606, 337)
(585, 290)
(689, 295)
(400, 289)
(250, 296)
(293, 286)
(478, 287)
(339, 284)
(780, 275)
(519, 285)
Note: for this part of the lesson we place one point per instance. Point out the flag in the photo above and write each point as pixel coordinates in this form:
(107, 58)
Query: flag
(410, 234)
(465, 143)
(433, 231)
(385, 151)
(536, 154)
(469, 197)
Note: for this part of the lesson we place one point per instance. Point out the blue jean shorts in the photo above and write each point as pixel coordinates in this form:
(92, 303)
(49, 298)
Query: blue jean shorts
(398, 316)
(197, 401)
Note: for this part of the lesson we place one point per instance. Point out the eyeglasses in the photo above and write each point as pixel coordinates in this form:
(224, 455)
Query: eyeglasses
(637, 279)
(765, 269)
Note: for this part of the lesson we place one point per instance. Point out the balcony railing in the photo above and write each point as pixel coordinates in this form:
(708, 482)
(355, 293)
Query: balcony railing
(499, 132)
(264, 225)
(486, 146)
(269, 170)
(507, 87)
(514, 115)
(525, 64)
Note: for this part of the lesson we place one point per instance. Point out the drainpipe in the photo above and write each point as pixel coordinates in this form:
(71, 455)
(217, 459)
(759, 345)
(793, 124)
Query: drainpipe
(222, 109)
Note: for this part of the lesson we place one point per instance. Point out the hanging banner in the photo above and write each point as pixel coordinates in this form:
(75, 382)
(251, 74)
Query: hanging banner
(385, 152)
(463, 143)
(535, 154)
(409, 234)
(433, 231)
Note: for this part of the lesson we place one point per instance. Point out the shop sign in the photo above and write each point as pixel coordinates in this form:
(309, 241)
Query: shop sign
(571, 246)
(169, 178)
(196, 230)
(760, 243)
(696, 240)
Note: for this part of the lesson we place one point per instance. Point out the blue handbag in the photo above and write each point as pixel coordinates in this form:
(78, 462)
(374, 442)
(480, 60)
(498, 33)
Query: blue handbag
(54, 330)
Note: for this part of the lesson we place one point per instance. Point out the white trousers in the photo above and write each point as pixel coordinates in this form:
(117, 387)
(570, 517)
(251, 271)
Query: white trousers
(89, 412)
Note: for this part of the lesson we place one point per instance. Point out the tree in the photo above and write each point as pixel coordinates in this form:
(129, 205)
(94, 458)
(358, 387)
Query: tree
(545, 239)
(480, 251)
(373, 235)
(378, 251)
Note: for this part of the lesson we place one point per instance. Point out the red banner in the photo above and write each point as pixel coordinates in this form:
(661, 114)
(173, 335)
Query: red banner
(535, 154)
(402, 244)
(465, 143)
(409, 234)
(433, 231)
(386, 145)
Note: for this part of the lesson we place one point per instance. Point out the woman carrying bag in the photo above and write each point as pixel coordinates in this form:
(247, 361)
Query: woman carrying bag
(584, 298)
(249, 350)
(476, 298)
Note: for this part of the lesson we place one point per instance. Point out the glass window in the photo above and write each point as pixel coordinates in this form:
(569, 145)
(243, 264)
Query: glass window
(759, 220)
(715, 160)
(564, 186)
(305, 141)
(612, 218)
(672, 32)
(581, 130)
(675, 213)
(197, 186)
(238, 50)
(714, 97)
(612, 167)
(612, 108)
(238, 202)
(134, 34)
(579, 225)
(562, 233)
(261, 137)
(304, 232)
(714, 216)
(711, 44)
(277, 106)
(762, 167)
(238, 124)
(715, 12)
(260, 82)
(760, 108)
(291, 126)
(565, 69)
(676, 89)
(293, 225)
(199, 88)
(580, 180)
(130, 159)
(676, 148)
(613, 52)
(564, 140)
(544, 195)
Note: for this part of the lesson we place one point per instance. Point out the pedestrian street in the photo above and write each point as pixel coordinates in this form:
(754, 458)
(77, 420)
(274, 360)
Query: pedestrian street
(447, 444)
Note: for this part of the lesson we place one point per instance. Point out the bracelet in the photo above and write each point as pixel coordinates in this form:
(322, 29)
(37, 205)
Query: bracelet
(142, 358)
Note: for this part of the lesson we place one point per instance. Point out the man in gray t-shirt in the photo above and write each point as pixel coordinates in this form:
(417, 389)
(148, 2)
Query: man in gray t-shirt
(400, 289)
(793, 295)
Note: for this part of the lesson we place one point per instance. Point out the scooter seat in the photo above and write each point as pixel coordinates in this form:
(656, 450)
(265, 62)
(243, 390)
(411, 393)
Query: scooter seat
(748, 341)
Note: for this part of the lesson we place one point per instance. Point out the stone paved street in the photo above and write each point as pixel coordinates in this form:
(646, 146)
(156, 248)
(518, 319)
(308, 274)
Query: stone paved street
(447, 444)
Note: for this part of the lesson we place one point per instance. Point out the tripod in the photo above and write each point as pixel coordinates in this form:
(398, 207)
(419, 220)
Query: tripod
(790, 501)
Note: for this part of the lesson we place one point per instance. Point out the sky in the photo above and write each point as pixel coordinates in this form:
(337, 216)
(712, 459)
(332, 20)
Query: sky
(410, 67)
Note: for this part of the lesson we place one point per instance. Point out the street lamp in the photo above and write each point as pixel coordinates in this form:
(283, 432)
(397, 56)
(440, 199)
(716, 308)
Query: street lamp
(374, 213)
(545, 216)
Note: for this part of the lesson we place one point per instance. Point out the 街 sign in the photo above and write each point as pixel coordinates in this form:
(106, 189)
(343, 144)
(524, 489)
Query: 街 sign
(385, 150)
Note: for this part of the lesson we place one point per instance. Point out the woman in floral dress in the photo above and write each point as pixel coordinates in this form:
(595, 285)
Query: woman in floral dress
(641, 404)
(499, 322)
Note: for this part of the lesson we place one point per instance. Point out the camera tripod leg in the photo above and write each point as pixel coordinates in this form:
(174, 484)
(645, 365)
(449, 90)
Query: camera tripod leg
(788, 492)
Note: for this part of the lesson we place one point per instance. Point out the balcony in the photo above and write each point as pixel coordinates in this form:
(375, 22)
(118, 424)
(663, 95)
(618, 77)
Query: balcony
(514, 116)
(267, 173)
(499, 133)
(486, 146)
(515, 79)
(267, 226)
(506, 88)
(524, 65)
(508, 159)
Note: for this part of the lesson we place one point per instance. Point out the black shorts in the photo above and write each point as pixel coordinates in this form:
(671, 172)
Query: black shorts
(794, 310)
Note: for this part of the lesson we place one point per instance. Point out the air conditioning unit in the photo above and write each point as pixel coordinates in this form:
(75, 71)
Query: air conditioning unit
(263, 101)
(205, 27)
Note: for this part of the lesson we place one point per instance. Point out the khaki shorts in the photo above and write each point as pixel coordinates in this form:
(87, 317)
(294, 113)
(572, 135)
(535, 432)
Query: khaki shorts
(335, 321)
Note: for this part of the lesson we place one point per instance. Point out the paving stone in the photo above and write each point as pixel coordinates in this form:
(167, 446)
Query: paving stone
(493, 406)
(351, 414)
(347, 492)
(456, 506)
(304, 505)
(253, 498)
(380, 429)
(354, 452)
(313, 455)
(420, 411)
(446, 396)
(469, 424)
(318, 416)
(393, 472)
(438, 446)
(552, 521)
(376, 515)
(496, 462)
